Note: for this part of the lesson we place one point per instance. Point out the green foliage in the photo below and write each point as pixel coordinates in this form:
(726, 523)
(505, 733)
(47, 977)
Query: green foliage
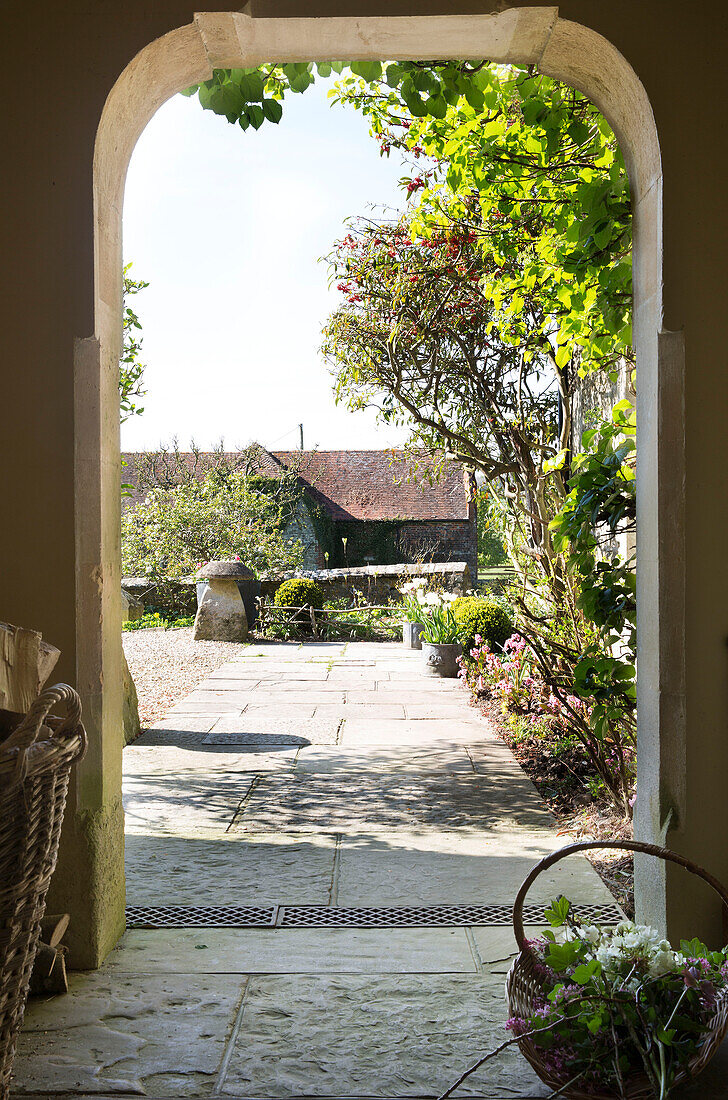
(543, 164)
(544, 171)
(180, 527)
(299, 592)
(131, 368)
(439, 625)
(491, 547)
(620, 1012)
(151, 621)
(599, 509)
(488, 618)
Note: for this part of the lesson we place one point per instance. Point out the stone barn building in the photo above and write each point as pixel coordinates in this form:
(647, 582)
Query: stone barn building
(359, 507)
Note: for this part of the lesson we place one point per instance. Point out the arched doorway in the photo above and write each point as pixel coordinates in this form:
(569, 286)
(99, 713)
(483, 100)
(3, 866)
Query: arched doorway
(559, 48)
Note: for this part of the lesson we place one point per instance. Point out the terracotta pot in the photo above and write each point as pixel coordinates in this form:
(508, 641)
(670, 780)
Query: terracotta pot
(411, 635)
(441, 659)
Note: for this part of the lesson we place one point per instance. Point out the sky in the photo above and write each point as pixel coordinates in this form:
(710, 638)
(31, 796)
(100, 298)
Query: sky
(227, 227)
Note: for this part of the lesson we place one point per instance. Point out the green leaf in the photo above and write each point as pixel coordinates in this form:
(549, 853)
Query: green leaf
(436, 106)
(255, 115)
(367, 70)
(555, 463)
(578, 132)
(558, 911)
(586, 971)
(474, 97)
(272, 109)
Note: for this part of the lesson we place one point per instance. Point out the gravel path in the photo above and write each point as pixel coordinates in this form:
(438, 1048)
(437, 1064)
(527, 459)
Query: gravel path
(166, 664)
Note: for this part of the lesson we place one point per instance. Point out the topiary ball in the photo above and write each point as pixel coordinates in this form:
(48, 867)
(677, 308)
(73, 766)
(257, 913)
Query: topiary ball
(488, 618)
(299, 592)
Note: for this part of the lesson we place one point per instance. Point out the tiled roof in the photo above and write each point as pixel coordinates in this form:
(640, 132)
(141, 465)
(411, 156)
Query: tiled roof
(378, 485)
(353, 485)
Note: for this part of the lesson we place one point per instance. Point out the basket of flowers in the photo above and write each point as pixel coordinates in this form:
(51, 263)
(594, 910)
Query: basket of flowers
(36, 756)
(615, 1012)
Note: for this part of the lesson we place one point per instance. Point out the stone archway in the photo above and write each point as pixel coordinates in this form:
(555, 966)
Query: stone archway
(559, 48)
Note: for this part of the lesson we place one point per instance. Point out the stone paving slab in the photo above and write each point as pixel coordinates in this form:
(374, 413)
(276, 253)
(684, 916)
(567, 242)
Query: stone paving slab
(264, 870)
(301, 688)
(312, 696)
(259, 727)
(275, 710)
(414, 867)
(210, 706)
(354, 803)
(382, 711)
(360, 730)
(442, 759)
(174, 803)
(405, 1036)
(293, 951)
(139, 1033)
(437, 710)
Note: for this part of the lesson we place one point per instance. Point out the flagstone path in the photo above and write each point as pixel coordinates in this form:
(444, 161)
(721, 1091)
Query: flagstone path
(334, 776)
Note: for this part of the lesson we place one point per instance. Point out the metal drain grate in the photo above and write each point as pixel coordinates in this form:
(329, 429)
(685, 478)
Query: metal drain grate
(324, 916)
(200, 916)
(316, 916)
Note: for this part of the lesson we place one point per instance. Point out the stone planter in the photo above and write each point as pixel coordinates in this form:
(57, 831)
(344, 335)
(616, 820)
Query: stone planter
(411, 635)
(441, 659)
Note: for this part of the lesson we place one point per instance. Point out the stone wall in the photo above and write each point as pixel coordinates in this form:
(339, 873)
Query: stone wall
(393, 542)
(380, 584)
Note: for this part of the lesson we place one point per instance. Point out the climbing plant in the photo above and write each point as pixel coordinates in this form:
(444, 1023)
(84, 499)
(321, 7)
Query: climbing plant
(131, 368)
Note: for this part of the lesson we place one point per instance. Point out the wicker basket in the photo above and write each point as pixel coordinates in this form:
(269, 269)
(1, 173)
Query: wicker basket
(35, 763)
(523, 985)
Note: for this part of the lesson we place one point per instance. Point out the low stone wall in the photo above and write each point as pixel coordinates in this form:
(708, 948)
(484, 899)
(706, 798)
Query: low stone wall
(377, 584)
(176, 599)
(380, 584)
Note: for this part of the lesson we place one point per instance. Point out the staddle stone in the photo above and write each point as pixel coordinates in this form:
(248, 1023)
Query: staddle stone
(221, 613)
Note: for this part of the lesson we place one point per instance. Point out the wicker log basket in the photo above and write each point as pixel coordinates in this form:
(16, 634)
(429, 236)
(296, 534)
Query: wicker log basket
(523, 987)
(35, 764)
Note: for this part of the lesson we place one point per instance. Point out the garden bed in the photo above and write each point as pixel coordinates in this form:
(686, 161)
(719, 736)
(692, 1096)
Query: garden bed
(562, 778)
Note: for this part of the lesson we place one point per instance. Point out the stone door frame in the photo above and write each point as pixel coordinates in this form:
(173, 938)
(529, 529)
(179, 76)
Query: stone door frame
(535, 36)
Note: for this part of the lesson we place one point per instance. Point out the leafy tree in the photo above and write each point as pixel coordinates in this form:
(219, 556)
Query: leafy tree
(222, 514)
(538, 168)
(131, 368)
(534, 155)
(418, 339)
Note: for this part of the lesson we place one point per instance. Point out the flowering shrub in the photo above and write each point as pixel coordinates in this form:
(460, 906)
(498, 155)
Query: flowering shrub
(620, 1002)
(511, 678)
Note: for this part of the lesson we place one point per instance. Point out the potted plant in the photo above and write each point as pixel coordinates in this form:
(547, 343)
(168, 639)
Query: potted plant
(440, 636)
(413, 613)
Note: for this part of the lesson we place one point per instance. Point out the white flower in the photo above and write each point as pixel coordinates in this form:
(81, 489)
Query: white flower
(432, 599)
(408, 587)
(563, 933)
(419, 583)
(661, 963)
(590, 933)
